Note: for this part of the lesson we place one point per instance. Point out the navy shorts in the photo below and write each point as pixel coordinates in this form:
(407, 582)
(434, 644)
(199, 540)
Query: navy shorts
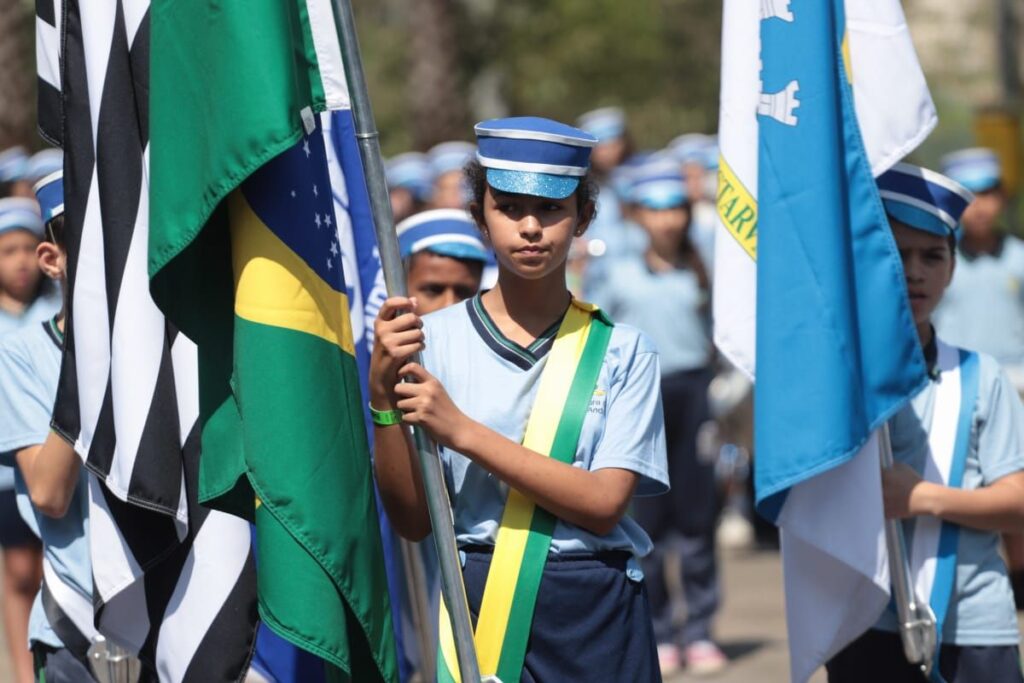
(591, 623)
(877, 656)
(14, 533)
(59, 666)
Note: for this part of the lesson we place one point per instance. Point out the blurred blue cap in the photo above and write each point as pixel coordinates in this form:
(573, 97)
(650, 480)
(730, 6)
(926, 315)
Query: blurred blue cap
(534, 156)
(658, 183)
(695, 148)
(605, 124)
(978, 169)
(411, 171)
(448, 232)
(450, 156)
(20, 213)
(13, 162)
(43, 163)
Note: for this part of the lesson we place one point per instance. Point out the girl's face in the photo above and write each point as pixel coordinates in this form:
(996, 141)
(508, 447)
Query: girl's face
(928, 267)
(531, 235)
(19, 267)
(980, 217)
(665, 227)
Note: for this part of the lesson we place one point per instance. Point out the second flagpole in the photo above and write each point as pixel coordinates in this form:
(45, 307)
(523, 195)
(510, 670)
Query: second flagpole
(452, 588)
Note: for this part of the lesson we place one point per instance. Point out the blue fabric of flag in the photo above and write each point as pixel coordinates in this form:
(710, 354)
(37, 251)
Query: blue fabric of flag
(371, 287)
(837, 350)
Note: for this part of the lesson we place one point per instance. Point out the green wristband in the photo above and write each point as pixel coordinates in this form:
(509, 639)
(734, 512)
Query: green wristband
(385, 418)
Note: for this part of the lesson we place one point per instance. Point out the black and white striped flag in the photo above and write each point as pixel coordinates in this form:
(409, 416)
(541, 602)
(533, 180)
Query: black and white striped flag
(173, 581)
(48, 38)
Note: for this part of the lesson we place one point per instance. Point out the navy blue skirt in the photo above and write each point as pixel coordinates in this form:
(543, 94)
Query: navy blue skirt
(592, 623)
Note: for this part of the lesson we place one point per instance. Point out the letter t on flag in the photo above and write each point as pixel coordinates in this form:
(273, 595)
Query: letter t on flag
(814, 291)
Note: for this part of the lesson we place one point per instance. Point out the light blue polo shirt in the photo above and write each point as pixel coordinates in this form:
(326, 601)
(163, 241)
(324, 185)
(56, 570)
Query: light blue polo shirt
(29, 370)
(46, 306)
(982, 610)
(983, 308)
(494, 381)
(668, 306)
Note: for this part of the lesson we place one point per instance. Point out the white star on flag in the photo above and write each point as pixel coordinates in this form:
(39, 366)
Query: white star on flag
(334, 248)
(327, 220)
(305, 148)
(293, 194)
(317, 221)
(316, 193)
(330, 264)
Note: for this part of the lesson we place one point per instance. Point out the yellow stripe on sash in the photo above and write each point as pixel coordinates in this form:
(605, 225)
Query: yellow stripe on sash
(515, 521)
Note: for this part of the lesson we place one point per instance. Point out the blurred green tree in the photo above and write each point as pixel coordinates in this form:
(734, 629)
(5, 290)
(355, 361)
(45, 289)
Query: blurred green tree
(17, 74)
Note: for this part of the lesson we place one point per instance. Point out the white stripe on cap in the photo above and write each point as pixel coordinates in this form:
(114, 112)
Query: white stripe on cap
(950, 222)
(553, 169)
(516, 134)
(446, 238)
(434, 215)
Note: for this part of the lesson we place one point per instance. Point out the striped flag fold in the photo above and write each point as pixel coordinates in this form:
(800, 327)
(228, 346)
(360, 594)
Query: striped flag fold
(173, 582)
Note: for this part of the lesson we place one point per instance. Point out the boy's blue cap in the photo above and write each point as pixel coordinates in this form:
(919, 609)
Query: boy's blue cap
(43, 163)
(13, 162)
(448, 232)
(923, 199)
(534, 156)
(977, 168)
(695, 148)
(20, 213)
(450, 156)
(658, 183)
(605, 124)
(412, 171)
(50, 193)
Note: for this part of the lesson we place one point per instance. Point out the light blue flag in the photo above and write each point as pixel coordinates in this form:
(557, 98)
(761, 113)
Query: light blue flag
(837, 351)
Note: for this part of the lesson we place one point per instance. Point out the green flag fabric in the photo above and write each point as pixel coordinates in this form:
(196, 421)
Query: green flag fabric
(243, 258)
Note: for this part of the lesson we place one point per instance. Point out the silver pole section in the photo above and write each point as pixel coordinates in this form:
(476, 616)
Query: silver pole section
(426, 628)
(452, 589)
(917, 621)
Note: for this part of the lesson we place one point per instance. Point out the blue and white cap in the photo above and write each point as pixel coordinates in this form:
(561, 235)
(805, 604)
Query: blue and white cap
(20, 213)
(658, 183)
(977, 168)
(446, 157)
(13, 162)
(411, 171)
(535, 156)
(605, 124)
(43, 163)
(923, 199)
(50, 193)
(695, 148)
(448, 232)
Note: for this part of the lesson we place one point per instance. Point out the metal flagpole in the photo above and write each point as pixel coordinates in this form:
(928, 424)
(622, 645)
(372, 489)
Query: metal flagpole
(917, 621)
(438, 504)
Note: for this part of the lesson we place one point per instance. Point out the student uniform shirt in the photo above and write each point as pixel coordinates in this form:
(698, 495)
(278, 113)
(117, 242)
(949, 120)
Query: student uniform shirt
(668, 306)
(494, 381)
(43, 308)
(983, 309)
(29, 370)
(982, 610)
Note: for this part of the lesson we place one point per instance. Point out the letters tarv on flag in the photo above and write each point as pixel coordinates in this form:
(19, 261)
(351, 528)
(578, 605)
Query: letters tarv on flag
(835, 347)
(244, 256)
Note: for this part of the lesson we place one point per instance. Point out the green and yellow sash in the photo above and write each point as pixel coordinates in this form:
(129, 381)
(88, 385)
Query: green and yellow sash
(524, 537)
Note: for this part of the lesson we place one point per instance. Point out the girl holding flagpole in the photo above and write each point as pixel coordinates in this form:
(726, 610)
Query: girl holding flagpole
(959, 477)
(548, 418)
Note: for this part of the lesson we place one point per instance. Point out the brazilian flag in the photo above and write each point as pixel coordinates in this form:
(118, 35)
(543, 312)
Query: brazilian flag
(245, 260)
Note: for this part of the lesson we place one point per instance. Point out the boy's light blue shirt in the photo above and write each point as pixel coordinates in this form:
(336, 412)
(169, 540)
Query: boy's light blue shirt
(983, 308)
(29, 370)
(42, 309)
(668, 306)
(982, 610)
(496, 385)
